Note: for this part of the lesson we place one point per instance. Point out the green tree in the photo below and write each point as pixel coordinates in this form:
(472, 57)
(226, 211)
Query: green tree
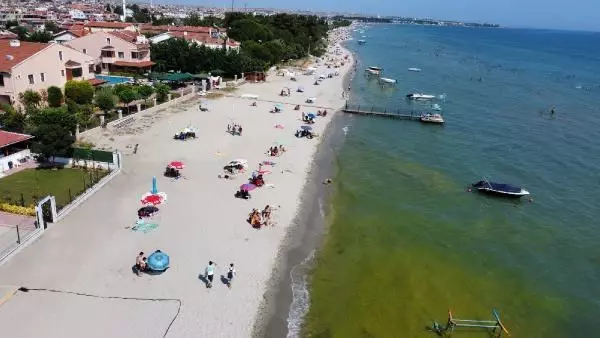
(30, 98)
(10, 119)
(53, 129)
(40, 36)
(162, 91)
(52, 27)
(20, 31)
(82, 92)
(145, 91)
(105, 99)
(127, 95)
(55, 96)
(11, 23)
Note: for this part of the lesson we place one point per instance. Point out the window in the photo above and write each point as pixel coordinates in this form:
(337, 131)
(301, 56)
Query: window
(76, 72)
(60, 55)
(30, 77)
(1, 80)
(121, 55)
(108, 40)
(84, 51)
(62, 72)
(42, 77)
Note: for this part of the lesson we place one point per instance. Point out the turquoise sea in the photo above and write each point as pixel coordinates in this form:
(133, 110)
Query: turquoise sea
(407, 242)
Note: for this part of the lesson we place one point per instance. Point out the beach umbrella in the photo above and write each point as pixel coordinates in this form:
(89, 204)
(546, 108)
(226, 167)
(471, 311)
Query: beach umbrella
(154, 199)
(247, 187)
(158, 261)
(148, 209)
(311, 115)
(306, 127)
(176, 165)
(154, 187)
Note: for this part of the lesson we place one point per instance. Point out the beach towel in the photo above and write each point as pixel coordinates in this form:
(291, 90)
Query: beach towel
(144, 227)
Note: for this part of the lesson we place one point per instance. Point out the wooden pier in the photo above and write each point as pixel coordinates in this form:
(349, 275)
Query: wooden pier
(373, 111)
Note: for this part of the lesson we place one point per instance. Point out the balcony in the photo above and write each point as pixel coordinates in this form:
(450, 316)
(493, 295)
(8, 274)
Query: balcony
(108, 59)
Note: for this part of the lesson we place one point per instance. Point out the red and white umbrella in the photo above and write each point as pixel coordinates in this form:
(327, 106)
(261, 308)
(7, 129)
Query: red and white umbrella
(154, 199)
(176, 165)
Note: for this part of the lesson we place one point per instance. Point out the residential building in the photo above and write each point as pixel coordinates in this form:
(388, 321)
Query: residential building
(37, 66)
(104, 26)
(6, 35)
(116, 51)
(65, 36)
(201, 39)
(14, 148)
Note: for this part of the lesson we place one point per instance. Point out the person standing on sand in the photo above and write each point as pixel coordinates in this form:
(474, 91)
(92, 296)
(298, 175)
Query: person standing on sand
(230, 274)
(209, 273)
(140, 264)
(240, 131)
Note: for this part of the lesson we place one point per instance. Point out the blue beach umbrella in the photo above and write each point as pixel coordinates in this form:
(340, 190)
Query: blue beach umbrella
(154, 188)
(311, 115)
(158, 261)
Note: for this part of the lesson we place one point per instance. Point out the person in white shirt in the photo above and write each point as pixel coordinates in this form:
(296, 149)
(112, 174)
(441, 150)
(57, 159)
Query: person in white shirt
(230, 274)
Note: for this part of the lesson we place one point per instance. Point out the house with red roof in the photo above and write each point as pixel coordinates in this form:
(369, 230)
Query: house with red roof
(109, 26)
(37, 66)
(14, 149)
(115, 51)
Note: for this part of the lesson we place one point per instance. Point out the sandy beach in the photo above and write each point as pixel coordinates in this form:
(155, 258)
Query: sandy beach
(92, 250)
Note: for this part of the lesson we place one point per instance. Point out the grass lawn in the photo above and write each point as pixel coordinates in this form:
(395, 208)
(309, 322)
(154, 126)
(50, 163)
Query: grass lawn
(38, 183)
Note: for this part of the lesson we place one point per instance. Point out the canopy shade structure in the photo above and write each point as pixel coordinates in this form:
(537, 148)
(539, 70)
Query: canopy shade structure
(171, 76)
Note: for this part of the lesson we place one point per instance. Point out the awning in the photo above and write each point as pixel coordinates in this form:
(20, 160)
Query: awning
(96, 82)
(72, 64)
(141, 64)
(201, 76)
(171, 76)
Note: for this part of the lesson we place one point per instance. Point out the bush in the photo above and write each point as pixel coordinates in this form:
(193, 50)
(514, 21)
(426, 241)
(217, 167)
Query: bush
(82, 92)
(17, 209)
(162, 91)
(55, 96)
(105, 99)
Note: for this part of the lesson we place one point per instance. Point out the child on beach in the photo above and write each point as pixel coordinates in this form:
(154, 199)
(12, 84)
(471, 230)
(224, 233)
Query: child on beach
(209, 273)
(230, 274)
(140, 263)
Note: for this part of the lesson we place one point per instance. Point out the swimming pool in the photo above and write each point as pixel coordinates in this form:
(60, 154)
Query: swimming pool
(114, 79)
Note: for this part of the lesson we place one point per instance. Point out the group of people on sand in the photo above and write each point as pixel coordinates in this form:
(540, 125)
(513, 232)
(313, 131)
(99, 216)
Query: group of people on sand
(234, 129)
(209, 274)
(260, 218)
(276, 150)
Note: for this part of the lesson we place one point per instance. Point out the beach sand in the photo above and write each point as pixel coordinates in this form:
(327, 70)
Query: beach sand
(92, 250)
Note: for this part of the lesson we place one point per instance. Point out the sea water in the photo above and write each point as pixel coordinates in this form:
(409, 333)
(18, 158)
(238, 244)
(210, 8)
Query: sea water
(408, 241)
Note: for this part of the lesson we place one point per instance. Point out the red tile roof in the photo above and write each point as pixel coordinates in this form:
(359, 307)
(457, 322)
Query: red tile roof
(11, 56)
(140, 64)
(7, 138)
(108, 24)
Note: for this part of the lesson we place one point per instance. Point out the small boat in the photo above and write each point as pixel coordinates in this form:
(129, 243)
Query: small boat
(500, 189)
(374, 70)
(362, 42)
(387, 80)
(436, 107)
(414, 69)
(432, 118)
(420, 97)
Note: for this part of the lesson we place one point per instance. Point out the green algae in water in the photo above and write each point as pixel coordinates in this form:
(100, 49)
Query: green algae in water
(391, 266)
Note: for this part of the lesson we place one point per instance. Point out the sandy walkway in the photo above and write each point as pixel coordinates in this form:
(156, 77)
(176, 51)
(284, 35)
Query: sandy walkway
(91, 251)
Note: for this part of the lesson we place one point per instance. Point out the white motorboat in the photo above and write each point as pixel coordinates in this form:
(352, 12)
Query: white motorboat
(387, 80)
(420, 97)
(362, 42)
(432, 118)
(414, 69)
(436, 107)
(374, 70)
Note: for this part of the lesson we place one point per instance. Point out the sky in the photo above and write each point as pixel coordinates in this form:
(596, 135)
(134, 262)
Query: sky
(553, 14)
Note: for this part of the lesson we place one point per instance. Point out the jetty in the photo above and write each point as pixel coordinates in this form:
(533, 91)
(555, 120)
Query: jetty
(384, 112)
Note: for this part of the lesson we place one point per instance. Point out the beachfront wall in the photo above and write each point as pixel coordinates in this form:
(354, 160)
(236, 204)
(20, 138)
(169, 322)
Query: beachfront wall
(255, 76)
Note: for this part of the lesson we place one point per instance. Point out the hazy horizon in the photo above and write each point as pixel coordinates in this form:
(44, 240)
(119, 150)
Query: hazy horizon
(556, 14)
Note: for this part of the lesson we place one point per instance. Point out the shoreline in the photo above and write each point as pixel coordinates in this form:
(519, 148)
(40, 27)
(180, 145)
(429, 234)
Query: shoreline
(306, 233)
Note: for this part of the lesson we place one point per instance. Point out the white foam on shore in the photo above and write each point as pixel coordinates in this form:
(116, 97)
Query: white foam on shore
(300, 296)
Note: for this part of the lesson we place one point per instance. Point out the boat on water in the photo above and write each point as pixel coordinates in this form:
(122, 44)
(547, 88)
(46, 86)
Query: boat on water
(387, 80)
(432, 118)
(374, 70)
(436, 107)
(362, 42)
(414, 69)
(420, 97)
(502, 189)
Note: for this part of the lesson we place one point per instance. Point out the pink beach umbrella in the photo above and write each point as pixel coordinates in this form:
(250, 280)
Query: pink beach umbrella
(247, 187)
(176, 165)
